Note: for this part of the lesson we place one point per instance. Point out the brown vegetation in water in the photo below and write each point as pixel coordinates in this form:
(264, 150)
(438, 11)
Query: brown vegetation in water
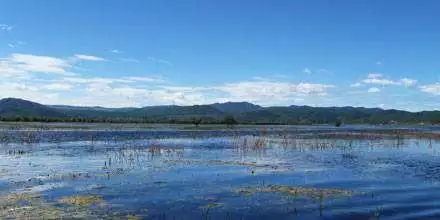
(78, 200)
(296, 191)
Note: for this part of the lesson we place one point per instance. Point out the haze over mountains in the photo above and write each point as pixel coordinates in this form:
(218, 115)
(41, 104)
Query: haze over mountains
(12, 109)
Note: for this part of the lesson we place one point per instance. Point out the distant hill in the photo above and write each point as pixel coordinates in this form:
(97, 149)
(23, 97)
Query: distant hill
(92, 112)
(174, 112)
(236, 107)
(12, 109)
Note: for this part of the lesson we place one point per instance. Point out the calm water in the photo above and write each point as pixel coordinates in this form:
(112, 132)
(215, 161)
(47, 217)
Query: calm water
(228, 174)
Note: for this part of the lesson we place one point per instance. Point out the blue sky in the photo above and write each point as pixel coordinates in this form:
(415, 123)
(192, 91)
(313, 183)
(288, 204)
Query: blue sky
(305, 52)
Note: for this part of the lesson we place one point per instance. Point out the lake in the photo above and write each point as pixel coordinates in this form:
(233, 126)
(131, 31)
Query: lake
(247, 172)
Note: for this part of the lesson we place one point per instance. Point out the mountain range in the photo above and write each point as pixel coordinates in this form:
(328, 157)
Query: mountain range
(12, 109)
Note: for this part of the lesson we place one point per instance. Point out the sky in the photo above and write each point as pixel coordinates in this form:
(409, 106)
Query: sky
(273, 53)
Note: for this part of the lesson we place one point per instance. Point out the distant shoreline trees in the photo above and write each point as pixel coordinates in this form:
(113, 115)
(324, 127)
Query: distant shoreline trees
(229, 121)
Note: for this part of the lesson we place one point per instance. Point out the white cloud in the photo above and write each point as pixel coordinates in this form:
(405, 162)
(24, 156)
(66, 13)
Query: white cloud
(373, 90)
(108, 80)
(59, 86)
(379, 79)
(376, 78)
(271, 92)
(20, 65)
(261, 92)
(314, 89)
(29, 92)
(143, 79)
(26, 63)
(34, 63)
(88, 57)
(432, 88)
(382, 82)
(141, 91)
(7, 69)
(123, 95)
(5, 27)
(408, 82)
(356, 85)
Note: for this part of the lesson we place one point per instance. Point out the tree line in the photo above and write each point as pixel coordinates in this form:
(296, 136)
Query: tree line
(228, 120)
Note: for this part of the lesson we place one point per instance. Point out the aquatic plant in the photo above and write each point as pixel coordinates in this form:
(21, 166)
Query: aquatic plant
(309, 192)
(81, 200)
(26, 206)
(132, 217)
(208, 207)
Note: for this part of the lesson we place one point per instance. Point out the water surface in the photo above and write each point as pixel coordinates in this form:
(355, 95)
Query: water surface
(247, 173)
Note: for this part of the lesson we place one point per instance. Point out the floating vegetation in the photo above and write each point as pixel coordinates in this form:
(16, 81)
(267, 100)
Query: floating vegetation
(78, 200)
(26, 206)
(212, 205)
(132, 217)
(296, 191)
(33, 206)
